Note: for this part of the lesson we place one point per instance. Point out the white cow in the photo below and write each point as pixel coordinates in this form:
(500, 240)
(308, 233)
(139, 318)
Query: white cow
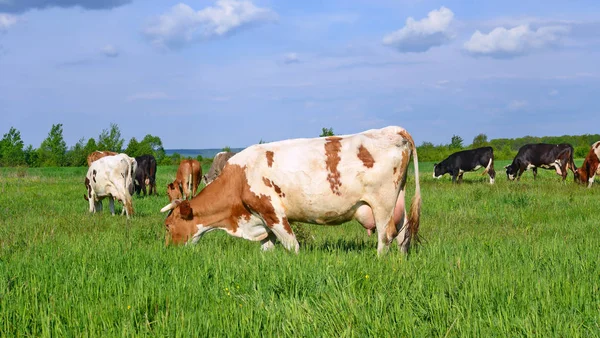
(321, 180)
(111, 176)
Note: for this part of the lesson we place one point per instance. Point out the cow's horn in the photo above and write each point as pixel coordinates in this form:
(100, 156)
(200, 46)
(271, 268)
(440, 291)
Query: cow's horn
(171, 205)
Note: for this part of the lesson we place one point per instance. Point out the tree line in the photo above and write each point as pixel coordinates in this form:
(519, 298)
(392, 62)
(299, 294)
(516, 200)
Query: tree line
(53, 151)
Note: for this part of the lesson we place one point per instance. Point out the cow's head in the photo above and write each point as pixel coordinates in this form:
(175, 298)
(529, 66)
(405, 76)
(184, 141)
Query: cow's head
(180, 223)
(437, 171)
(173, 191)
(580, 176)
(511, 172)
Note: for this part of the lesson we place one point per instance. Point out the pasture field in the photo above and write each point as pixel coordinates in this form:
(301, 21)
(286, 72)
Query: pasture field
(512, 259)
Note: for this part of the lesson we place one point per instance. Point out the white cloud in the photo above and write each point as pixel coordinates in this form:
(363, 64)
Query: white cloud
(6, 21)
(148, 96)
(517, 105)
(182, 24)
(520, 40)
(110, 51)
(553, 92)
(291, 58)
(420, 36)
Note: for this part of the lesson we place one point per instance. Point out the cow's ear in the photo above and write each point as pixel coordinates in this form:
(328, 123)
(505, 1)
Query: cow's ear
(185, 210)
(435, 164)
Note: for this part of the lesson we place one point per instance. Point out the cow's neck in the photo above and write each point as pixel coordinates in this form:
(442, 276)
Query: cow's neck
(219, 205)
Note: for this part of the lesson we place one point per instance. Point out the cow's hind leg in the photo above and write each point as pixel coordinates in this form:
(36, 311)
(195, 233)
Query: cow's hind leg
(111, 205)
(534, 170)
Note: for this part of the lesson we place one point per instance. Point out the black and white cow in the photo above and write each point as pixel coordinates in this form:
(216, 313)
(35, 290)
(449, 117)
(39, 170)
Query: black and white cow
(542, 155)
(467, 160)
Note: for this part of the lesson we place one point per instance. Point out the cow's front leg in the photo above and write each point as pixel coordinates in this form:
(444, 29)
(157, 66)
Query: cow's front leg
(460, 177)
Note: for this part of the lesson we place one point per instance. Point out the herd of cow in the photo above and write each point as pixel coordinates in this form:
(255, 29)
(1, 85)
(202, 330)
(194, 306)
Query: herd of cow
(558, 157)
(256, 193)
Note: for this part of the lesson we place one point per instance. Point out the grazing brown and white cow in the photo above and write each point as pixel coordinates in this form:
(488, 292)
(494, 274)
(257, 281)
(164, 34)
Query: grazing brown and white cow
(590, 167)
(321, 180)
(98, 155)
(187, 180)
(217, 166)
(111, 176)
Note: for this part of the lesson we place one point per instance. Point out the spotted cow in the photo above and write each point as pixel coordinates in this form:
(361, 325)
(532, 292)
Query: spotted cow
(467, 160)
(93, 156)
(112, 177)
(187, 180)
(327, 181)
(542, 155)
(590, 167)
(217, 166)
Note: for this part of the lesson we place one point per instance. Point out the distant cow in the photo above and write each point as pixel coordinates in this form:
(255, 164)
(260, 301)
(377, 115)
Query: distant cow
(187, 180)
(590, 167)
(467, 160)
(111, 176)
(98, 154)
(145, 175)
(217, 166)
(327, 180)
(541, 155)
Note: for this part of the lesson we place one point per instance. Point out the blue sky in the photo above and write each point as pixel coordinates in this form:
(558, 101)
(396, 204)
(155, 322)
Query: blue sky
(204, 74)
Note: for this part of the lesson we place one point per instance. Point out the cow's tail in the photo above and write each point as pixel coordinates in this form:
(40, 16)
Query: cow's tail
(489, 166)
(571, 162)
(128, 183)
(189, 186)
(415, 207)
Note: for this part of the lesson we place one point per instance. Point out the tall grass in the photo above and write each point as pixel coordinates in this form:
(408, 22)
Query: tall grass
(512, 259)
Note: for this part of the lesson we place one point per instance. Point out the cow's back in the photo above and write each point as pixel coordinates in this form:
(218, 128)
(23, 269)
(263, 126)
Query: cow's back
(325, 173)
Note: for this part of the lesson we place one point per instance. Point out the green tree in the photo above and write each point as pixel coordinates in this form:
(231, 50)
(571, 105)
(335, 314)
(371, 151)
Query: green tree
(32, 157)
(53, 150)
(456, 142)
(480, 140)
(152, 145)
(226, 148)
(76, 156)
(326, 132)
(133, 148)
(11, 149)
(111, 139)
(90, 146)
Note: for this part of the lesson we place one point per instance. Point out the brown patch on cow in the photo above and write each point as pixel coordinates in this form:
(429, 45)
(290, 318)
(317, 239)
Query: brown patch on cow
(407, 137)
(278, 190)
(365, 156)
(267, 182)
(270, 155)
(395, 170)
(96, 155)
(221, 205)
(89, 189)
(94, 175)
(589, 168)
(332, 159)
(286, 225)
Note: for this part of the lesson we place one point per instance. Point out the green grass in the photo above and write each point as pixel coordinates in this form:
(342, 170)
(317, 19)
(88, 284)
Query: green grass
(512, 259)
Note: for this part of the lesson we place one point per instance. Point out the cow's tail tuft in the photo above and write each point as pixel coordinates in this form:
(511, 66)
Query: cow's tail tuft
(415, 207)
